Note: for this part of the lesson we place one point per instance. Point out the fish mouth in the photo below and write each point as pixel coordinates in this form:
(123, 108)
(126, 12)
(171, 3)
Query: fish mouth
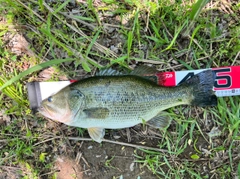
(44, 111)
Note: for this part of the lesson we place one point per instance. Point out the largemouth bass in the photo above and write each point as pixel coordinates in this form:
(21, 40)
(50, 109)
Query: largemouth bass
(121, 101)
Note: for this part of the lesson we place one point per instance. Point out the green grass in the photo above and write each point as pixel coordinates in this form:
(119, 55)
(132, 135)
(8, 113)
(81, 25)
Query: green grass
(171, 36)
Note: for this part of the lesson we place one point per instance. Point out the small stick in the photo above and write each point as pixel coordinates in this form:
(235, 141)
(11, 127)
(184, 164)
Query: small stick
(121, 143)
(46, 140)
(78, 157)
(109, 141)
(149, 61)
(235, 58)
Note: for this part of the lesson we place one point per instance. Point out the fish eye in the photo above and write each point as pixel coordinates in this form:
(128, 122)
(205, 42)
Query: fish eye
(50, 99)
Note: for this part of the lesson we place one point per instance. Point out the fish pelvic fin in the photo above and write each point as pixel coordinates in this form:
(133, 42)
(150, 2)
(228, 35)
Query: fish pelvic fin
(202, 88)
(96, 133)
(160, 121)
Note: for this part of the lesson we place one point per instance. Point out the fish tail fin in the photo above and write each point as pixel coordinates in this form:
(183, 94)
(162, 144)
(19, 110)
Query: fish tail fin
(202, 88)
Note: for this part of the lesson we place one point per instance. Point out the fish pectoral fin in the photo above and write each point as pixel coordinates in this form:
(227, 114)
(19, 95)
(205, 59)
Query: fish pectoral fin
(97, 113)
(162, 120)
(96, 133)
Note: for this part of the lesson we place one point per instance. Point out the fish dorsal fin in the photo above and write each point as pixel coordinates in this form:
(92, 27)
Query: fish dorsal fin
(143, 70)
(96, 133)
(160, 121)
(138, 71)
(108, 72)
(146, 72)
(97, 113)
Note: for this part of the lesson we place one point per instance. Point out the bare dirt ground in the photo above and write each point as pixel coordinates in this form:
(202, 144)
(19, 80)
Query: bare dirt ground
(91, 160)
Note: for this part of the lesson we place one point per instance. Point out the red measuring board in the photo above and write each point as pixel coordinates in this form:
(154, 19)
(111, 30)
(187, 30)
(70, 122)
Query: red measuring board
(227, 81)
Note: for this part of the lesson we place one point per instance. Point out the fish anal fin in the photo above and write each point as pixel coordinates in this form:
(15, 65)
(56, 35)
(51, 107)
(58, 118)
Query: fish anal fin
(96, 133)
(162, 121)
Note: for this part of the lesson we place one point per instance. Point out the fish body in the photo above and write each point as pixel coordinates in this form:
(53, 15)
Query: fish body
(122, 101)
(119, 102)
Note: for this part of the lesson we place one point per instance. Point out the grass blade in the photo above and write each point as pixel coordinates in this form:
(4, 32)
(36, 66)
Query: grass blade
(34, 69)
(40, 2)
(129, 43)
(174, 38)
(186, 65)
(196, 9)
(92, 42)
(61, 6)
(86, 67)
